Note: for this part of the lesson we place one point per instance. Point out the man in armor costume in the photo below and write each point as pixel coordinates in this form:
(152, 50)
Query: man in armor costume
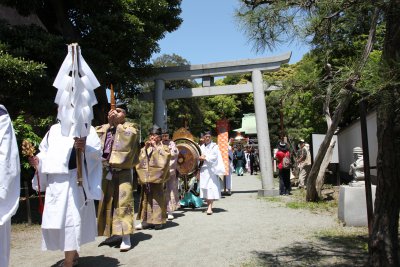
(171, 186)
(120, 148)
(153, 171)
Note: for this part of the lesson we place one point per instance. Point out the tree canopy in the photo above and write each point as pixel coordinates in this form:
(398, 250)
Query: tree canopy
(117, 38)
(338, 31)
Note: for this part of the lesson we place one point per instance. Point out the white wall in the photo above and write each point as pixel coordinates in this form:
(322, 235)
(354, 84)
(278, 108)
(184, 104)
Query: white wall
(350, 137)
(317, 140)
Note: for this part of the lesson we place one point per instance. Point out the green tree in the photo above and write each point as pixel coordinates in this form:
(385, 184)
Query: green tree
(117, 38)
(185, 110)
(336, 26)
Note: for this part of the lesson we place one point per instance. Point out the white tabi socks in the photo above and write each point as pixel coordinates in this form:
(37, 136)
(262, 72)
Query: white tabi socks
(126, 243)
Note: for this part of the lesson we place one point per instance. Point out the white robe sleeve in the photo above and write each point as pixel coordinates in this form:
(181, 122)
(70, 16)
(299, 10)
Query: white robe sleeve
(42, 179)
(9, 170)
(92, 180)
(174, 155)
(219, 166)
(173, 149)
(212, 156)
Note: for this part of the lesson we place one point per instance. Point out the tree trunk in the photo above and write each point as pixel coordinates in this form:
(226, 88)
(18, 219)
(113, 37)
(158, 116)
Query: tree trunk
(384, 239)
(324, 165)
(312, 194)
(328, 156)
(345, 97)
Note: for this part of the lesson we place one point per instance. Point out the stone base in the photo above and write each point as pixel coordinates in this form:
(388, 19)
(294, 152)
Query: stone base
(268, 192)
(353, 205)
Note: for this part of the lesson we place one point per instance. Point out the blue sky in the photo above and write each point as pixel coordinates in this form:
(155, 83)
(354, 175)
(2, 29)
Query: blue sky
(209, 33)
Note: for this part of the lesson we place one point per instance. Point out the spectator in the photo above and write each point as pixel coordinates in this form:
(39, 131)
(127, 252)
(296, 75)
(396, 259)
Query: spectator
(283, 156)
(239, 156)
(304, 163)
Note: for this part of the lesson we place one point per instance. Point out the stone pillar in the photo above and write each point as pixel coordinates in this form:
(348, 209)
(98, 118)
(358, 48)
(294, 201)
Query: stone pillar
(264, 145)
(160, 107)
(207, 81)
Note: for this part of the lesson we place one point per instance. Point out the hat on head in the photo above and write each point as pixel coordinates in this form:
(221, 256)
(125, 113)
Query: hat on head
(121, 105)
(207, 132)
(282, 145)
(301, 141)
(155, 130)
(165, 131)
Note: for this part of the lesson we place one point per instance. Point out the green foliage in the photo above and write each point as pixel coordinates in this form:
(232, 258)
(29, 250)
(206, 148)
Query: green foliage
(141, 113)
(26, 72)
(219, 107)
(337, 35)
(271, 24)
(24, 130)
(297, 201)
(19, 78)
(117, 40)
(371, 80)
(299, 102)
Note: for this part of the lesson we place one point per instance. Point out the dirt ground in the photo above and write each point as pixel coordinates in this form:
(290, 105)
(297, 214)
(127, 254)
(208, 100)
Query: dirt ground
(243, 231)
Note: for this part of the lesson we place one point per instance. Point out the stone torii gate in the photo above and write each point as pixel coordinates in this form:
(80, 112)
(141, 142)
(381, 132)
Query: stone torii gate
(207, 72)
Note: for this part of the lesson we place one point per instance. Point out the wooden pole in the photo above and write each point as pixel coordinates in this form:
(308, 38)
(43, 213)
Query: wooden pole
(367, 177)
(112, 97)
(78, 151)
(79, 166)
(28, 203)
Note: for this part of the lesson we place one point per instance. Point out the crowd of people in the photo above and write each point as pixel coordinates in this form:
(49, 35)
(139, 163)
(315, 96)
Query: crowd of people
(245, 160)
(287, 164)
(111, 158)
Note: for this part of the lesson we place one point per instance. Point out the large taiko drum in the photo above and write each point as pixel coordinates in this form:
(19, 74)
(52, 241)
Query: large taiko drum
(188, 157)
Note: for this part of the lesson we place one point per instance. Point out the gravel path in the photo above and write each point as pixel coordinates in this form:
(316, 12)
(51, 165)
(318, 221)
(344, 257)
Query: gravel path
(243, 231)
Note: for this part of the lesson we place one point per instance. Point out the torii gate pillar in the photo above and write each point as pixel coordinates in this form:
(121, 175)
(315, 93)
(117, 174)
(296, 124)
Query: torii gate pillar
(160, 107)
(264, 147)
(207, 72)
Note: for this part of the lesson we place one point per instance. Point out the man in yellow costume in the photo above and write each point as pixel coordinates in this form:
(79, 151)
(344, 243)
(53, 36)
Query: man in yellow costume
(153, 172)
(171, 186)
(120, 146)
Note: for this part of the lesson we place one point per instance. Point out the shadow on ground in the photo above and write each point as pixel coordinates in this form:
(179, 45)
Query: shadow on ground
(326, 251)
(98, 261)
(115, 240)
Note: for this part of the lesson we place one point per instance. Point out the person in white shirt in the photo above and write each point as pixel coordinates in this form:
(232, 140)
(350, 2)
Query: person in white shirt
(9, 182)
(210, 186)
(69, 218)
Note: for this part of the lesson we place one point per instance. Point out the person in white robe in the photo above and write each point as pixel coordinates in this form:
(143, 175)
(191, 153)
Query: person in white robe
(69, 218)
(247, 157)
(9, 182)
(210, 186)
(228, 178)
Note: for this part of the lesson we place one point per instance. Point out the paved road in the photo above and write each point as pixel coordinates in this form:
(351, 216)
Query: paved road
(242, 229)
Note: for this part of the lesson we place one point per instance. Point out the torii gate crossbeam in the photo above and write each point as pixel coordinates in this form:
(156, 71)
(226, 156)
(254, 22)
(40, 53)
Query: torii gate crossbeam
(208, 72)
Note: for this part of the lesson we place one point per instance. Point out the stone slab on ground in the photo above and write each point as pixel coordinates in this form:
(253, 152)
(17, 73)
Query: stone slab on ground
(353, 205)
